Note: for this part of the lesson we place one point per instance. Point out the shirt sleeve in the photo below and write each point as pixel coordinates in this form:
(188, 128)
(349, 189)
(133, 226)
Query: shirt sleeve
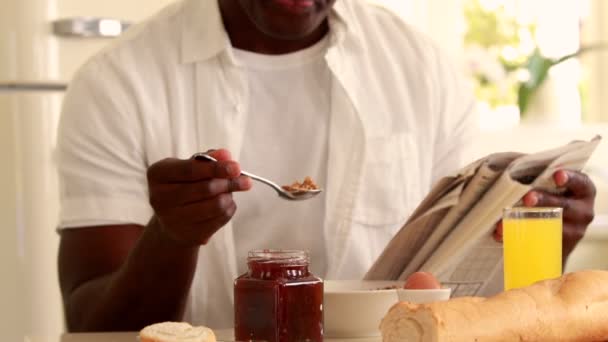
(458, 120)
(102, 166)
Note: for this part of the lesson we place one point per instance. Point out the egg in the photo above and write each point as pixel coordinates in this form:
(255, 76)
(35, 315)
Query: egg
(421, 281)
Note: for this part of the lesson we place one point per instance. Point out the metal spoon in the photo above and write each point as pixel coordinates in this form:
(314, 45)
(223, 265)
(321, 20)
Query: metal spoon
(292, 196)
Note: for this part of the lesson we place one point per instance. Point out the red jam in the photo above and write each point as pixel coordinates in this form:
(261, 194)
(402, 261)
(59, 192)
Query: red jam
(278, 299)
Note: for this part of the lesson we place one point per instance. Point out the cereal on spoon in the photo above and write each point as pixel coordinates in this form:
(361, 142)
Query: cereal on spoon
(307, 185)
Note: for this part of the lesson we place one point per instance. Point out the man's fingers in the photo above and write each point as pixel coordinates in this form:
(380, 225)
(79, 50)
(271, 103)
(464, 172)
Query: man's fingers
(531, 199)
(577, 183)
(213, 225)
(175, 194)
(498, 231)
(173, 170)
(208, 189)
(220, 155)
(573, 232)
(200, 211)
(199, 232)
(574, 210)
(544, 199)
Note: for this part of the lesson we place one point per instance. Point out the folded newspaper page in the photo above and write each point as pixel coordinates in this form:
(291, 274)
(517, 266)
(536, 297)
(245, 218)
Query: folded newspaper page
(450, 233)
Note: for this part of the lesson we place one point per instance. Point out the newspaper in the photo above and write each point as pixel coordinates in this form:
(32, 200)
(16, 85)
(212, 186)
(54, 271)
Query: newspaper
(450, 232)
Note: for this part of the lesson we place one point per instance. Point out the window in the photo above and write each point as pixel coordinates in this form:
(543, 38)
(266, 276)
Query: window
(574, 91)
(595, 66)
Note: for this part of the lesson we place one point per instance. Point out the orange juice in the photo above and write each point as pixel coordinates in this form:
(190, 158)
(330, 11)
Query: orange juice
(532, 249)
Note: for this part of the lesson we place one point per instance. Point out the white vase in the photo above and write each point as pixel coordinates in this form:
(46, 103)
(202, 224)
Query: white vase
(557, 102)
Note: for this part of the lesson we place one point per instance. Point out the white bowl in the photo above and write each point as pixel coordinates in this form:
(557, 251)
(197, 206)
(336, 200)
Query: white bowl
(354, 309)
(423, 296)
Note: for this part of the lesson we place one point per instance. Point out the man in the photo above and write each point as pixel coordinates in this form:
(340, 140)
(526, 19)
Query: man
(338, 90)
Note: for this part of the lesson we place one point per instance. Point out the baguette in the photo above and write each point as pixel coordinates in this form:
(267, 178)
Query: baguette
(568, 309)
(176, 332)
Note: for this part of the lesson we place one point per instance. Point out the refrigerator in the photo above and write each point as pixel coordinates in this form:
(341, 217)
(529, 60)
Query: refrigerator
(42, 44)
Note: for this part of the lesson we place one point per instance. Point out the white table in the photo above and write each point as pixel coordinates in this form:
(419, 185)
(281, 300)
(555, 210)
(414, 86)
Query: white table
(224, 335)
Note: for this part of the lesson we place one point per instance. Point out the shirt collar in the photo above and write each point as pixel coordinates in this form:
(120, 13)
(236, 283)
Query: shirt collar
(203, 35)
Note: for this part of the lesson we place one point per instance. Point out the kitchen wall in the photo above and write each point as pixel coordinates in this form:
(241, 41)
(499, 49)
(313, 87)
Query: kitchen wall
(12, 310)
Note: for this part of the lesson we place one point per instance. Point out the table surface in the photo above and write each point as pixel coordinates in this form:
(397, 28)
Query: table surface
(225, 335)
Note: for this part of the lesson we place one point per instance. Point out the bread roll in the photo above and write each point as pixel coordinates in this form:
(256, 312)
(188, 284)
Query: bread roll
(571, 308)
(176, 332)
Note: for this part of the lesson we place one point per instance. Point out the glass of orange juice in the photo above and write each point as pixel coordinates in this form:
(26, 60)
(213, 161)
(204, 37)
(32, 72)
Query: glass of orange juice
(532, 239)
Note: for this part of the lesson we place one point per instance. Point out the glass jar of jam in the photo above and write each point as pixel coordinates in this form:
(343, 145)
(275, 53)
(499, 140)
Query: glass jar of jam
(278, 299)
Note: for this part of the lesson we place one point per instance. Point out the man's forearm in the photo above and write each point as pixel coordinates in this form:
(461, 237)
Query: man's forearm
(152, 285)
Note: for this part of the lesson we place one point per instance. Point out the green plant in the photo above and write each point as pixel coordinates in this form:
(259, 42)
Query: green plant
(491, 33)
(490, 29)
(538, 68)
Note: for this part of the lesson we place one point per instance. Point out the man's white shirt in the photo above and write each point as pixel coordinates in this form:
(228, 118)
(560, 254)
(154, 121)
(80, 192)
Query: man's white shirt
(392, 117)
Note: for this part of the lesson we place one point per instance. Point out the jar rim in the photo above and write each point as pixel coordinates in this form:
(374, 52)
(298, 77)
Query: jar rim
(278, 255)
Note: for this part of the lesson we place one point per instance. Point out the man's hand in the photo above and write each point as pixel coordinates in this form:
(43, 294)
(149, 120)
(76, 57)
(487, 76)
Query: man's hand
(98, 265)
(192, 199)
(577, 202)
